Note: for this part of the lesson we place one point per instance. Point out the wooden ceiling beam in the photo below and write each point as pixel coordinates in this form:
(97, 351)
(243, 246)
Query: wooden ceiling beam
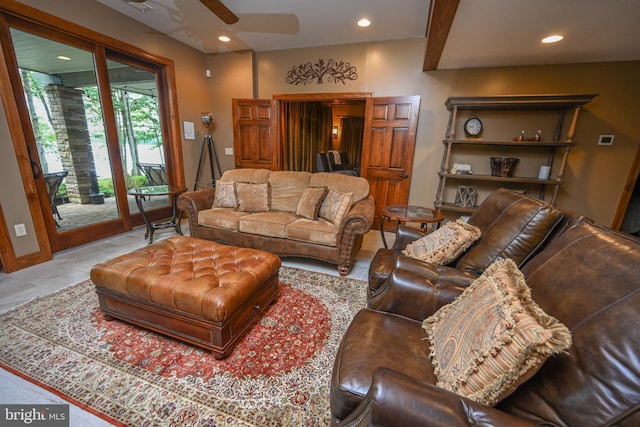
(441, 14)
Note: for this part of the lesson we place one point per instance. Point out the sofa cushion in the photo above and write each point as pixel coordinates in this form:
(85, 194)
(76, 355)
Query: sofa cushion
(256, 176)
(253, 197)
(271, 224)
(341, 183)
(225, 196)
(335, 206)
(310, 202)
(306, 230)
(225, 218)
(513, 226)
(493, 337)
(287, 188)
(445, 244)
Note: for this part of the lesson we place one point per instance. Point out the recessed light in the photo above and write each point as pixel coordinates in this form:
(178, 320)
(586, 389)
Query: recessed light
(552, 39)
(63, 58)
(224, 39)
(364, 22)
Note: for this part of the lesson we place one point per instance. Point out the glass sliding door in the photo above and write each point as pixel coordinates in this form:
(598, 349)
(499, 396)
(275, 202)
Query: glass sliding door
(98, 130)
(134, 93)
(60, 89)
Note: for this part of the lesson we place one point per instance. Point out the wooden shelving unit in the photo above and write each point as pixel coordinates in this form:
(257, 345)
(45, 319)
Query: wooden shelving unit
(562, 104)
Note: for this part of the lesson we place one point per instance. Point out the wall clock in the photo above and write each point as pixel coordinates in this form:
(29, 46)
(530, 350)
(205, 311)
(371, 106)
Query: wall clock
(473, 127)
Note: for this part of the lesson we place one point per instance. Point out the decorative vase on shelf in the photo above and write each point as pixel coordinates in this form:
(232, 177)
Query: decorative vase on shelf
(503, 166)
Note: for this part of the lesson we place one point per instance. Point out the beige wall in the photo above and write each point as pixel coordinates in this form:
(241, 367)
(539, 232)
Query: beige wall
(595, 174)
(231, 77)
(12, 198)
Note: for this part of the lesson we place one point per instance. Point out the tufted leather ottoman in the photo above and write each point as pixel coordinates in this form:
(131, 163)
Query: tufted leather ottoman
(197, 291)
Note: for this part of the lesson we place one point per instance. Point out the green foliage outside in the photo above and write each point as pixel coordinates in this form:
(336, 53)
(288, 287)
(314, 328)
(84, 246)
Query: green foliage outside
(106, 185)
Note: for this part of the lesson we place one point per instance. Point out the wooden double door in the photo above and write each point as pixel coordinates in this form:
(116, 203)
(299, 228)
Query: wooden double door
(388, 141)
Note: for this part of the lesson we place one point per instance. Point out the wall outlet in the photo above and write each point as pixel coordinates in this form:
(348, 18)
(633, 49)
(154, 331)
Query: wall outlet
(228, 151)
(20, 230)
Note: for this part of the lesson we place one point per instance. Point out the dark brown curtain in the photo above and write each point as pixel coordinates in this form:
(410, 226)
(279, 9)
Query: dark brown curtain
(307, 131)
(352, 134)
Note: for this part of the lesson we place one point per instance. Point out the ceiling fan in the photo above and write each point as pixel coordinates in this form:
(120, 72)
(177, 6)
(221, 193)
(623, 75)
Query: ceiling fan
(221, 11)
(215, 6)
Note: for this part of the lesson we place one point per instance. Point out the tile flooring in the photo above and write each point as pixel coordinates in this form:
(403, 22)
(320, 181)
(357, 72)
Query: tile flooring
(72, 266)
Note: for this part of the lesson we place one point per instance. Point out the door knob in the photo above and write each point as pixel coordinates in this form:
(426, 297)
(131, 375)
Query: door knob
(404, 175)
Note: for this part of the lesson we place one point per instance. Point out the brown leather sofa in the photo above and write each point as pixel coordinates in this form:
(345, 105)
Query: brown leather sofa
(586, 276)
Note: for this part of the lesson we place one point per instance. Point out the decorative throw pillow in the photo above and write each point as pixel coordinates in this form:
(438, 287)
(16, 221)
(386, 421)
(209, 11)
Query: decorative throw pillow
(493, 337)
(253, 197)
(445, 244)
(335, 206)
(309, 204)
(225, 196)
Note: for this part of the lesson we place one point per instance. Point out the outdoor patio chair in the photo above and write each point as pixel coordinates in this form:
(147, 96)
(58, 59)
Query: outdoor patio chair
(53, 181)
(156, 173)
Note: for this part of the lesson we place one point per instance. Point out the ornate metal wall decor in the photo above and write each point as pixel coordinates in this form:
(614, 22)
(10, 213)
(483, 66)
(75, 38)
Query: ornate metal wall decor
(332, 70)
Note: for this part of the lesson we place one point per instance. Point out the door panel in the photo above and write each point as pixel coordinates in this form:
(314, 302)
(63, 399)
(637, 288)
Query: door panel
(389, 146)
(255, 134)
(134, 94)
(397, 157)
(66, 118)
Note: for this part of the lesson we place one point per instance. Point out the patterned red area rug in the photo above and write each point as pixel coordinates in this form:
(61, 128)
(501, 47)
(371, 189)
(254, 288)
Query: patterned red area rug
(278, 375)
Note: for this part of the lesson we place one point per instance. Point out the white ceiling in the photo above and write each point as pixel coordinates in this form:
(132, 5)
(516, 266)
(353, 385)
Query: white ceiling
(508, 32)
(484, 33)
(280, 24)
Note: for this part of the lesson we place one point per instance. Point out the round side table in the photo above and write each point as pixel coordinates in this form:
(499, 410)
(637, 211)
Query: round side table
(408, 213)
(159, 190)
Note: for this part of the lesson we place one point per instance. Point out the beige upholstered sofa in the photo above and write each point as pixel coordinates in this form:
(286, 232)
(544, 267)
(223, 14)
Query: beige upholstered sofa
(314, 215)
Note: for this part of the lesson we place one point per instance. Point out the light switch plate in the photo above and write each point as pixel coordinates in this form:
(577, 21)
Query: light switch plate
(20, 230)
(606, 140)
(228, 151)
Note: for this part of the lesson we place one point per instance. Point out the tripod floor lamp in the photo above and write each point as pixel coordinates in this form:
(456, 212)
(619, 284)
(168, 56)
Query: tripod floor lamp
(207, 145)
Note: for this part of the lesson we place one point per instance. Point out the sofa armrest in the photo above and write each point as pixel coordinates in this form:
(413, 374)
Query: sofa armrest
(440, 273)
(406, 235)
(417, 289)
(359, 219)
(195, 201)
(395, 399)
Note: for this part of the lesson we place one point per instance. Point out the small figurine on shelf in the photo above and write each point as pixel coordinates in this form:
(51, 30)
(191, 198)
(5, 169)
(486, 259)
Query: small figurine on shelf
(520, 137)
(538, 136)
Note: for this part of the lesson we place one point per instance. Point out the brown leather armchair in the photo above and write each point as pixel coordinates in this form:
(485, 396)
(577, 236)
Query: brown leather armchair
(588, 277)
(513, 225)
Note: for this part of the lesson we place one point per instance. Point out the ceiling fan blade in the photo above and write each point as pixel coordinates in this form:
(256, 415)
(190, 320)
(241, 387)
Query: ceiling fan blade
(221, 11)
